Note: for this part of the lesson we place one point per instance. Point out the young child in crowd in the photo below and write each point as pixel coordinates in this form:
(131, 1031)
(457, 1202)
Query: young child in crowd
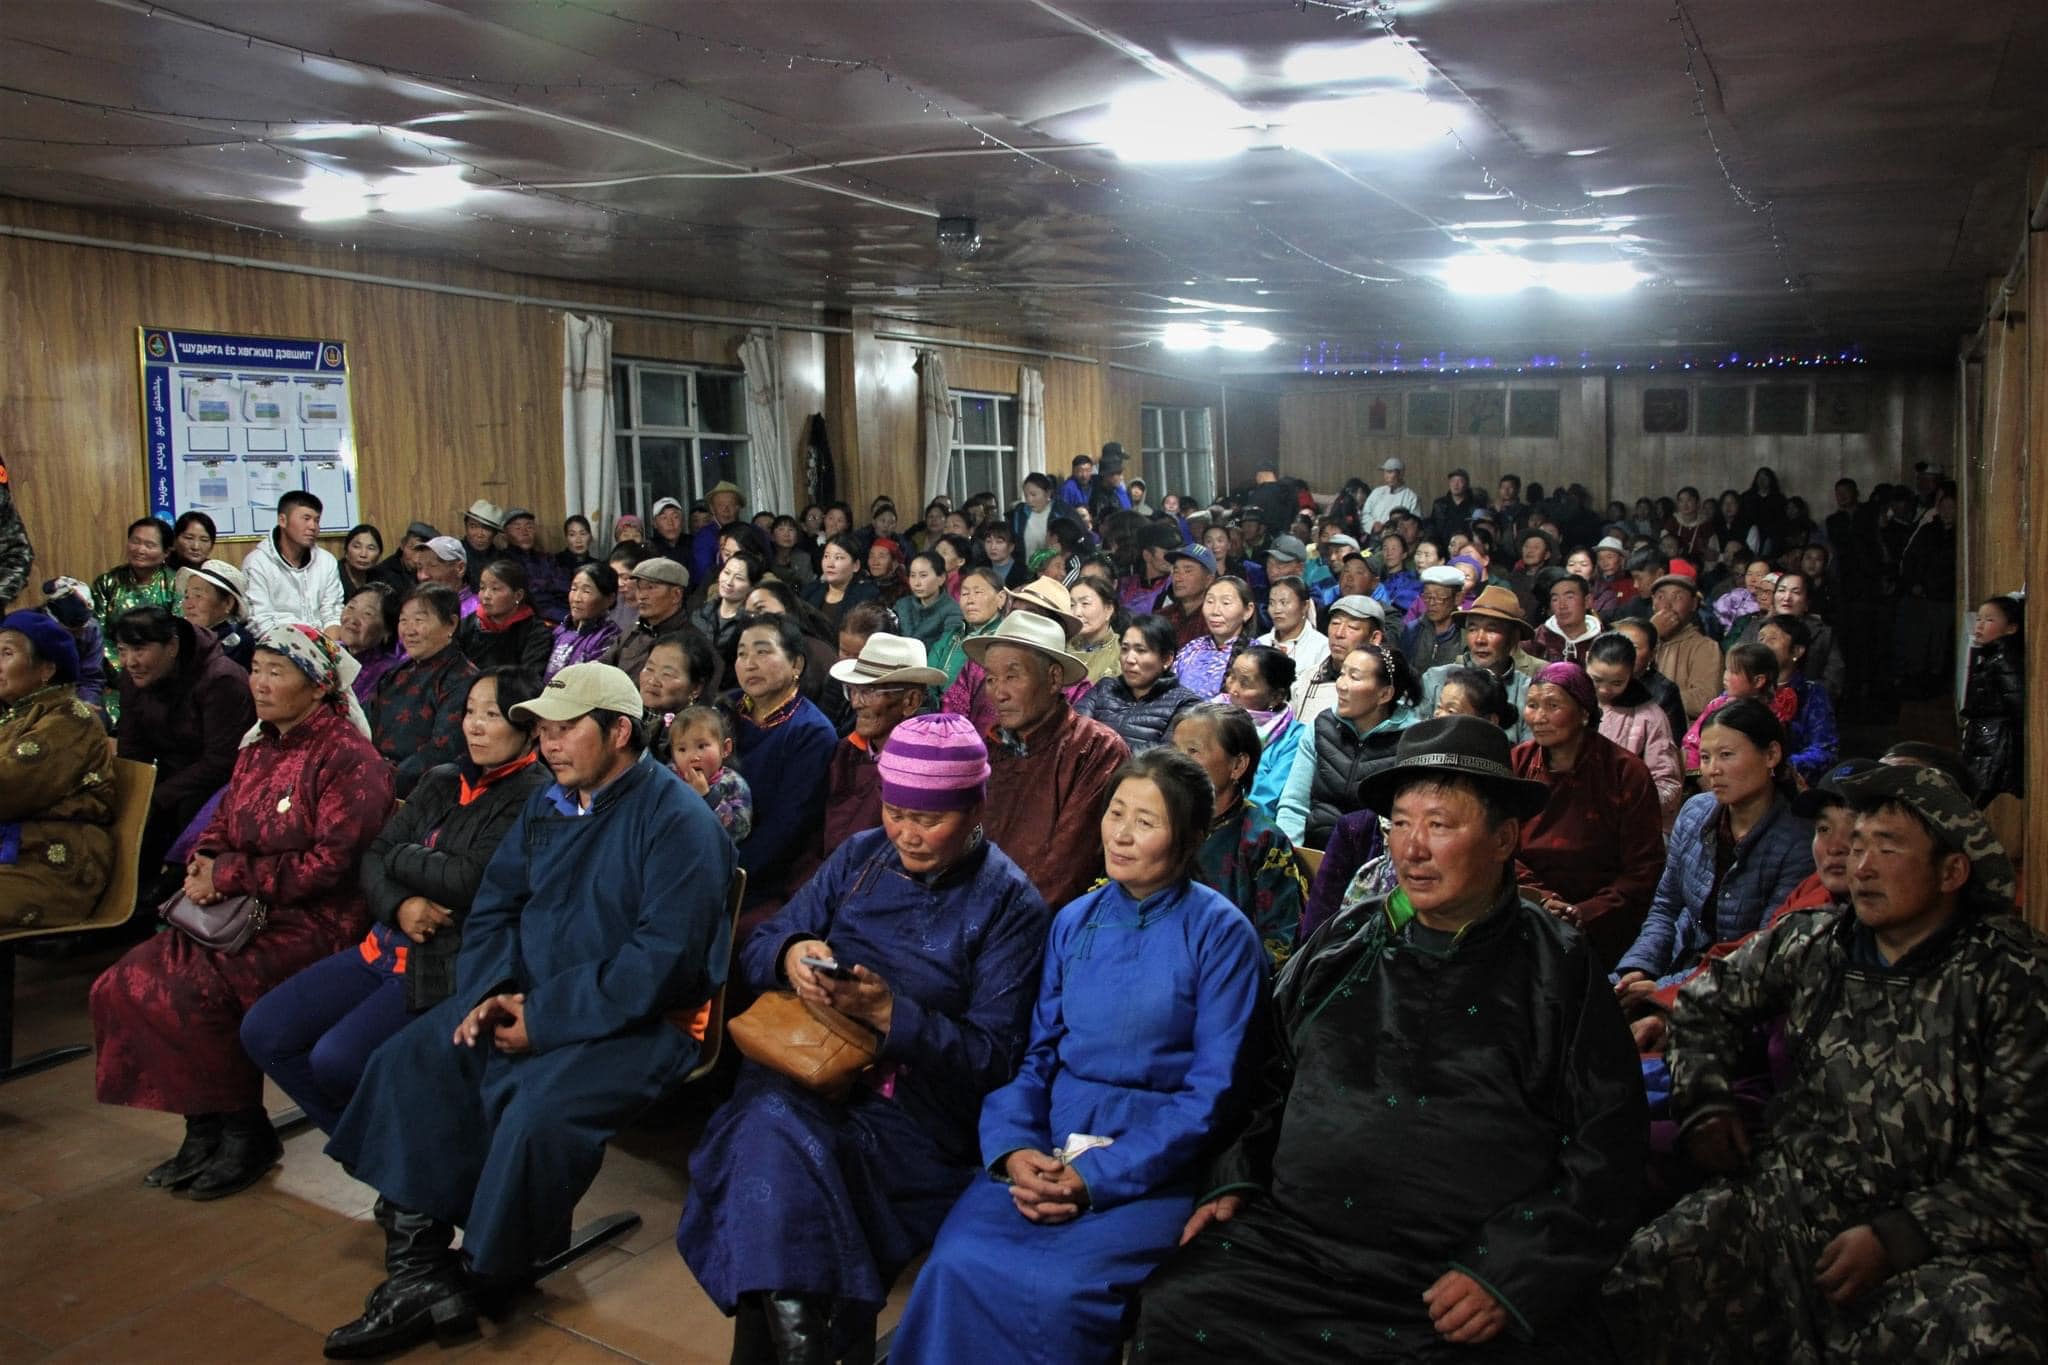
(1994, 700)
(700, 745)
(1752, 671)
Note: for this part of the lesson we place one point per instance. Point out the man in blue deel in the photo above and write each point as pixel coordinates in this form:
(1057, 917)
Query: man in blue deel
(598, 932)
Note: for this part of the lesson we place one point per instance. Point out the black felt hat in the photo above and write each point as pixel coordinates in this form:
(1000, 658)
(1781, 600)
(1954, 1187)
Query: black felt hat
(1454, 746)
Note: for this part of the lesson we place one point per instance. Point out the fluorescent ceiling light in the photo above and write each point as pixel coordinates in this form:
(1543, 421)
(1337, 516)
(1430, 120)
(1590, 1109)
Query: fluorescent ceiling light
(1607, 277)
(436, 187)
(1488, 273)
(1382, 59)
(1193, 336)
(1586, 151)
(1211, 306)
(1388, 121)
(1492, 272)
(1172, 122)
(326, 197)
(1245, 338)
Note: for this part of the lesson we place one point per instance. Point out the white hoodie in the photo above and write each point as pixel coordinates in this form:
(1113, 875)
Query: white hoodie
(280, 594)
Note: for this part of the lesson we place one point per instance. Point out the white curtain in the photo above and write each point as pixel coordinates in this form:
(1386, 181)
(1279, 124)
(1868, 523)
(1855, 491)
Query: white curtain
(590, 475)
(1030, 423)
(935, 419)
(767, 443)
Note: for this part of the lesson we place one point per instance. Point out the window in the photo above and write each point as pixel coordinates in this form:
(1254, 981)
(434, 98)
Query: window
(1178, 454)
(680, 430)
(984, 454)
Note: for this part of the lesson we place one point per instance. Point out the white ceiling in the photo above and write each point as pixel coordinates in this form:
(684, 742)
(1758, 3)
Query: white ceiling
(1832, 173)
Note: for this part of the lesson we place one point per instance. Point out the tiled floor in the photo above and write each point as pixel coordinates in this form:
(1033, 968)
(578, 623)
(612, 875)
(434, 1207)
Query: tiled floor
(93, 1267)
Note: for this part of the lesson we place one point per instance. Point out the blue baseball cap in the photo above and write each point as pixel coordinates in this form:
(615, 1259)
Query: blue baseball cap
(1198, 553)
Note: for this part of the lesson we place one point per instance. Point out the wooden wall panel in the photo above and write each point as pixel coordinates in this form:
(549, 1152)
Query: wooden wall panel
(1324, 438)
(454, 398)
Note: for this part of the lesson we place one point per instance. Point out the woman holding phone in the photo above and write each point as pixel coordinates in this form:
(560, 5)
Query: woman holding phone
(803, 1210)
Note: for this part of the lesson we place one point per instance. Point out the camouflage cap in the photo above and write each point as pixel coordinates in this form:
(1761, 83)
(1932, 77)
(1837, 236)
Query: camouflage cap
(1955, 822)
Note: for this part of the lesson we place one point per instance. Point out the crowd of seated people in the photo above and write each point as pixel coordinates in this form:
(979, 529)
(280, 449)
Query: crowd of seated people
(442, 839)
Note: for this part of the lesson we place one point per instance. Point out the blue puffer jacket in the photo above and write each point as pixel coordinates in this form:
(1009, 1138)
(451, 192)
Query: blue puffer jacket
(1140, 724)
(1769, 862)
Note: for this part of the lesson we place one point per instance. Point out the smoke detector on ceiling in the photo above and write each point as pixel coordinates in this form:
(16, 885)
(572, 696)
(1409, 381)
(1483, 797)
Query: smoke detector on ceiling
(959, 238)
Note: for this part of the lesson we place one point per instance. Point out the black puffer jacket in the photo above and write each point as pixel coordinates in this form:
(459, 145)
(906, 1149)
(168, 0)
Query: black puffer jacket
(1342, 757)
(1994, 710)
(1140, 723)
(437, 847)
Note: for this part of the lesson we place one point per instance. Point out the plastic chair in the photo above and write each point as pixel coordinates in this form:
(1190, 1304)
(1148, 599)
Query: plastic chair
(134, 784)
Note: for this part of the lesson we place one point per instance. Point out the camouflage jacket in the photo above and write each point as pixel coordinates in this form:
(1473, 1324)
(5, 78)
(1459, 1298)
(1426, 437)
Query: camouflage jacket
(16, 554)
(1919, 1096)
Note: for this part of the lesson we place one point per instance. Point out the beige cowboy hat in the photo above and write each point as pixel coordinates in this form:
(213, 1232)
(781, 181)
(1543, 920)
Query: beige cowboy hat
(1028, 630)
(224, 576)
(1048, 597)
(1496, 603)
(888, 661)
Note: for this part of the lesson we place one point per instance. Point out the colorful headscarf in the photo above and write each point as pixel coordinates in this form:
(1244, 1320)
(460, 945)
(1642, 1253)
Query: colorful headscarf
(1576, 685)
(330, 668)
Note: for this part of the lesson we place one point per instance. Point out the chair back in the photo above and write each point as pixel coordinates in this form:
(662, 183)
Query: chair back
(134, 784)
(1311, 860)
(714, 1022)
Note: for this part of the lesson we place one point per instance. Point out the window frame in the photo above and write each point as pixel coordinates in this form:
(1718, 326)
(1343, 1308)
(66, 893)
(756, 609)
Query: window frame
(1169, 465)
(633, 484)
(1009, 478)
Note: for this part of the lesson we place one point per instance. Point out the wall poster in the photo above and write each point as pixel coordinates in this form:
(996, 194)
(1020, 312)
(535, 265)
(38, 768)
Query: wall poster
(232, 423)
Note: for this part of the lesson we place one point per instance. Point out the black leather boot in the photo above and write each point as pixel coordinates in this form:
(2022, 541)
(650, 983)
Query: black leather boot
(425, 1293)
(249, 1147)
(800, 1326)
(751, 1343)
(202, 1139)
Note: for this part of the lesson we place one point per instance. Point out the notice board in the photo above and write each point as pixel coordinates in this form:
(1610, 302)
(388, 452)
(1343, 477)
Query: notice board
(232, 423)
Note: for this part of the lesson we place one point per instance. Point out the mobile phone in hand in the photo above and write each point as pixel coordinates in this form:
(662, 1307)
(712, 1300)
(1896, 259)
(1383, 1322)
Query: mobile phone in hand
(825, 966)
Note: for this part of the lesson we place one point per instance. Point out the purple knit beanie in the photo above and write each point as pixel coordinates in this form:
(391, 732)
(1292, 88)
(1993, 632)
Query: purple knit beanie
(935, 763)
(1577, 686)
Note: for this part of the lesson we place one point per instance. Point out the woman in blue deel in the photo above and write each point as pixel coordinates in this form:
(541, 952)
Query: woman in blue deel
(1150, 987)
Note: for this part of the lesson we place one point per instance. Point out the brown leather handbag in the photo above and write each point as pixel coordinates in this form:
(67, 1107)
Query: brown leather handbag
(226, 926)
(814, 1045)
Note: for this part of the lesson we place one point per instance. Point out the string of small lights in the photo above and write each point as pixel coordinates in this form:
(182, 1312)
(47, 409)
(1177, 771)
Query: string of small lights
(1330, 360)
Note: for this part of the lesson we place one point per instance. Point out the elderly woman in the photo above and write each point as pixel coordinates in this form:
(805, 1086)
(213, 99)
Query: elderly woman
(214, 596)
(1150, 986)
(1294, 633)
(1737, 851)
(1260, 680)
(588, 630)
(1593, 854)
(369, 631)
(188, 708)
(1141, 703)
(1375, 697)
(982, 601)
(307, 795)
(314, 1034)
(505, 632)
(803, 1209)
(418, 723)
(782, 745)
(56, 780)
(821, 647)
(1245, 856)
(1228, 617)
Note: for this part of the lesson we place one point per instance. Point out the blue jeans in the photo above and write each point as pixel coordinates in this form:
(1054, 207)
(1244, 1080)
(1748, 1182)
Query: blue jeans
(315, 1032)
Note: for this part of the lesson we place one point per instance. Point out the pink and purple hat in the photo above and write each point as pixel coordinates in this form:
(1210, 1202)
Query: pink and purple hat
(934, 763)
